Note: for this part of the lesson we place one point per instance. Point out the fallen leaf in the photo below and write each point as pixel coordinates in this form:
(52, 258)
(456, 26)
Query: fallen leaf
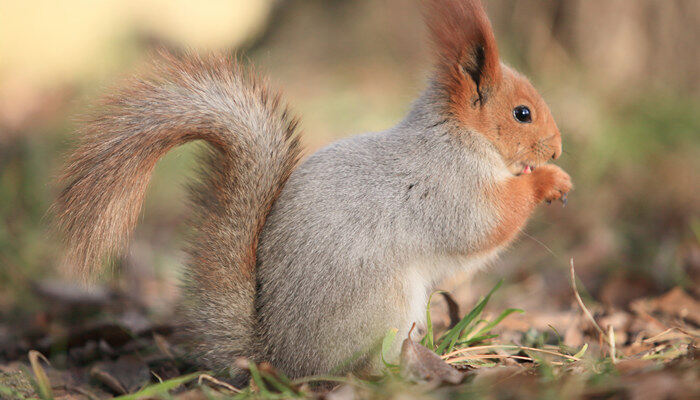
(125, 375)
(678, 304)
(419, 363)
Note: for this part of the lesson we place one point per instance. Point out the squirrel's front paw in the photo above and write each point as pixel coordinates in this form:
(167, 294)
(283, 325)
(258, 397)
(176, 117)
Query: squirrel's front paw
(551, 183)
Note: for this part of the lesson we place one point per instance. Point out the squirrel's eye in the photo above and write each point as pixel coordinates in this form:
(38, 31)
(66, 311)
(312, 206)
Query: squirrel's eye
(522, 114)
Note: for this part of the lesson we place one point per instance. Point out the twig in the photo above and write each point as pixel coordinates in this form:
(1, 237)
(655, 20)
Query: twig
(487, 356)
(667, 331)
(508, 346)
(583, 306)
(411, 330)
(611, 340)
(160, 380)
(498, 356)
(217, 382)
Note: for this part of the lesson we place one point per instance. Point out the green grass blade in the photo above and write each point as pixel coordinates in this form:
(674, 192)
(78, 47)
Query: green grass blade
(386, 345)
(450, 338)
(581, 352)
(498, 320)
(281, 387)
(10, 393)
(467, 342)
(257, 378)
(41, 380)
(160, 388)
(284, 379)
(428, 339)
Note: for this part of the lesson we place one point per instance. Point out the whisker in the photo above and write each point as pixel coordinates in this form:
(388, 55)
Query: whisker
(570, 154)
(516, 157)
(548, 137)
(541, 244)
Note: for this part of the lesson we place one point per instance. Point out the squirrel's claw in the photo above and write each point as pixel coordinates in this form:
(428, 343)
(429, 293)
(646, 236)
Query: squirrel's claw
(564, 200)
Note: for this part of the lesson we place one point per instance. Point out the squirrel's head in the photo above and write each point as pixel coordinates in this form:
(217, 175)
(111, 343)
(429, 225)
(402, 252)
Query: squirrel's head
(483, 95)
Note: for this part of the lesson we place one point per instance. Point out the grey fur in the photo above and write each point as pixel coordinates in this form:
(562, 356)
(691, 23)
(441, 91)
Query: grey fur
(353, 222)
(309, 268)
(348, 248)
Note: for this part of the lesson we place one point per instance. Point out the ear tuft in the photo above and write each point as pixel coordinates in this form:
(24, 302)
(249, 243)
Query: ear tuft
(463, 39)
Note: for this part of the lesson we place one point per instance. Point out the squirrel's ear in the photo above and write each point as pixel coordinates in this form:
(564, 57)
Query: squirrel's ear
(465, 46)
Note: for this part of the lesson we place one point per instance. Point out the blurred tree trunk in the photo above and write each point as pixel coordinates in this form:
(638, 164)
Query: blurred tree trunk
(619, 43)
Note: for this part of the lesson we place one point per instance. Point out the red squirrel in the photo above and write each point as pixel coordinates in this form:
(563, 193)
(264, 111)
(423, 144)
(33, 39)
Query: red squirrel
(307, 265)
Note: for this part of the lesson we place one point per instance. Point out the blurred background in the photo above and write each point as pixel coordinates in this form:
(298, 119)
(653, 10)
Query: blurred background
(620, 76)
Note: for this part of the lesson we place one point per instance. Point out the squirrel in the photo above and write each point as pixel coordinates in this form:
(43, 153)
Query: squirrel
(308, 264)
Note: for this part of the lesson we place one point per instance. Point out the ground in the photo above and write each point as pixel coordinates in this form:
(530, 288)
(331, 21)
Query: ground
(103, 344)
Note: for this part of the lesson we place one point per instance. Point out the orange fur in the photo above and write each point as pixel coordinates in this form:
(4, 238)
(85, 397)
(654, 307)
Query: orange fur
(516, 198)
(532, 143)
(481, 94)
(465, 47)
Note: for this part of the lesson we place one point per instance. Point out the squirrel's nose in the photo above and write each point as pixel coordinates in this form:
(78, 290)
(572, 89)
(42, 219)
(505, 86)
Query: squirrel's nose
(557, 147)
(556, 154)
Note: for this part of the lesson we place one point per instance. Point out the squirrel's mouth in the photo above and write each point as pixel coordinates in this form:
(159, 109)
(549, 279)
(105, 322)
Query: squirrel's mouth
(522, 168)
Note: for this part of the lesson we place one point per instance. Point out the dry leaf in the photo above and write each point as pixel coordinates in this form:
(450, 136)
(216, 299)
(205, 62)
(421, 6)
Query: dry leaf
(419, 363)
(678, 304)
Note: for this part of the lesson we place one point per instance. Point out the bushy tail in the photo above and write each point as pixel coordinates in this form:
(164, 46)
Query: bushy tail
(253, 151)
